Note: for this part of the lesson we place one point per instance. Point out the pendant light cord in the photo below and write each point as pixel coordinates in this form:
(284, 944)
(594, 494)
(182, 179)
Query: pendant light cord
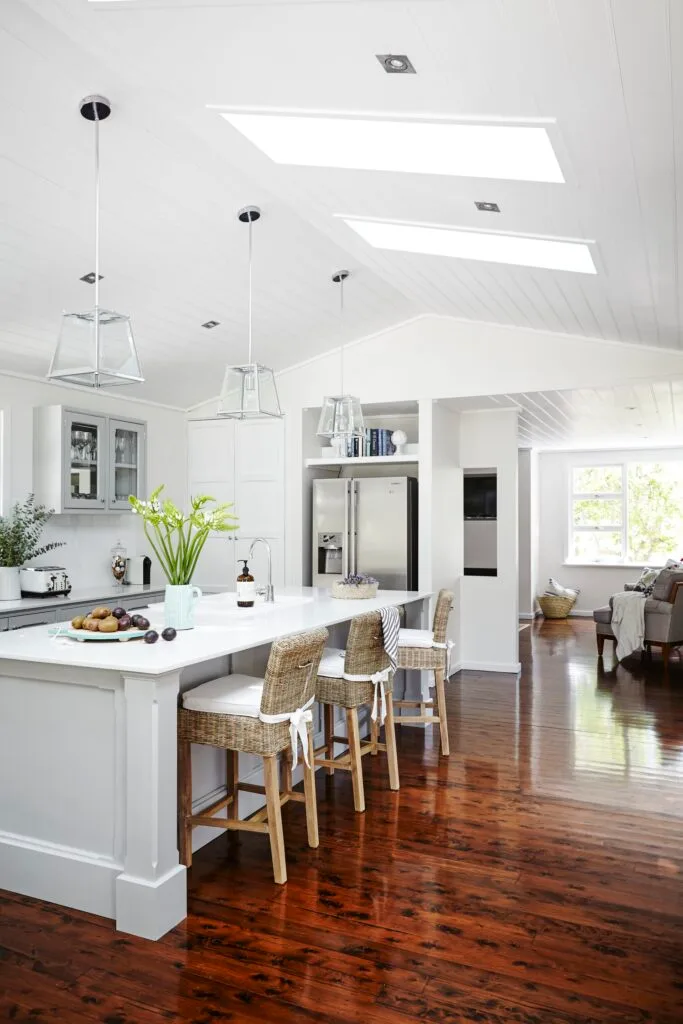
(341, 310)
(97, 243)
(251, 249)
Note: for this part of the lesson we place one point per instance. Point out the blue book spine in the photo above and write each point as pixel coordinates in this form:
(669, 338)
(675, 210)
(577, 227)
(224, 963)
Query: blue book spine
(374, 441)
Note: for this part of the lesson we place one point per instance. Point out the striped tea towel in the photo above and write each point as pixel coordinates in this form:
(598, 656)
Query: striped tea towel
(390, 631)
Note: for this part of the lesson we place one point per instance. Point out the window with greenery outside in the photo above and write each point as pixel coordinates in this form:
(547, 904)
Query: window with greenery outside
(628, 512)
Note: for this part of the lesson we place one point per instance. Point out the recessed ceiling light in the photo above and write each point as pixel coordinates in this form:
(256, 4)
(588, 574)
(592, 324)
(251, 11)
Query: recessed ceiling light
(90, 278)
(488, 207)
(396, 63)
(211, 323)
(513, 152)
(630, 408)
(488, 246)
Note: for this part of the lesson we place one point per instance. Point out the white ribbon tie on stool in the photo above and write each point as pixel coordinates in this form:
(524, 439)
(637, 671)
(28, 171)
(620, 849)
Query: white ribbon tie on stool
(378, 680)
(298, 728)
(448, 648)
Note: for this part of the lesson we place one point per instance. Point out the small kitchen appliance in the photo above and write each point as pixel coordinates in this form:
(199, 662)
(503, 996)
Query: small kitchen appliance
(45, 581)
(138, 569)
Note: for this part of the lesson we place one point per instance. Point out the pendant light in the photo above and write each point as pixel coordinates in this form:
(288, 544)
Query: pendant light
(96, 348)
(341, 416)
(249, 391)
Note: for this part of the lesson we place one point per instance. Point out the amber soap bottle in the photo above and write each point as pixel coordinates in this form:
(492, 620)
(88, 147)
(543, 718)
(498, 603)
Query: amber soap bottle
(246, 588)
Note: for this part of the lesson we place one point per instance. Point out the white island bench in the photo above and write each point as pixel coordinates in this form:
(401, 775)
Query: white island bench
(88, 750)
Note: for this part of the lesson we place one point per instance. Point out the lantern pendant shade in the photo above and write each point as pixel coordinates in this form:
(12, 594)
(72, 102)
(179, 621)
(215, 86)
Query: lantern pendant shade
(96, 349)
(341, 416)
(249, 393)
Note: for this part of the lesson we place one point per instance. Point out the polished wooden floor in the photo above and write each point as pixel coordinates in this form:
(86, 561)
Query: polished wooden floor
(535, 877)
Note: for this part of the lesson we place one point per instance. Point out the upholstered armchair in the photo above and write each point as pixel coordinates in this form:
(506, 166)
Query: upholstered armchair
(663, 616)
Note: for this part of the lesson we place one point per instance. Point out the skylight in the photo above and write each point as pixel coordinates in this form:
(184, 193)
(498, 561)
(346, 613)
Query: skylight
(488, 246)
(512, 152)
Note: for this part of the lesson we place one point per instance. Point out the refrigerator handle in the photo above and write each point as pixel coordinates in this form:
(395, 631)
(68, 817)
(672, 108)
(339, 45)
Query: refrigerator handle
(354, 517)
(346, 538)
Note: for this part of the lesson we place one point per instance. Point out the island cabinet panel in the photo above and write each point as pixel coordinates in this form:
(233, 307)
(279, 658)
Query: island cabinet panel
(87, 463)
(241, 462)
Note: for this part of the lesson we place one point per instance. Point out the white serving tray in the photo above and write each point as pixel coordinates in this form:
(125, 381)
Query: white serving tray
(84, 635)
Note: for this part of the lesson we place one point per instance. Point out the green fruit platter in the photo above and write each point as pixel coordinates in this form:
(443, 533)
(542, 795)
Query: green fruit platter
(113, 624)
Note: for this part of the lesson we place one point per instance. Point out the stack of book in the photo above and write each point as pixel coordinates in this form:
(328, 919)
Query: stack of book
(377, 441)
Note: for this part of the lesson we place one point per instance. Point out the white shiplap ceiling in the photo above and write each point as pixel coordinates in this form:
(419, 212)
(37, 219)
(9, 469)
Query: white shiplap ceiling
(645, 414)
(607, 72)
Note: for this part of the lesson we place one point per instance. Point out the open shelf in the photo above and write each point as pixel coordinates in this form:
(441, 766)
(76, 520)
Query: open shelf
(364, 460)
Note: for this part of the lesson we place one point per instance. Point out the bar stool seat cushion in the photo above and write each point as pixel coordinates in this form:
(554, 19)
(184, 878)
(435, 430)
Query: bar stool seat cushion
(228, 695)
(332, 663)
(415, 638)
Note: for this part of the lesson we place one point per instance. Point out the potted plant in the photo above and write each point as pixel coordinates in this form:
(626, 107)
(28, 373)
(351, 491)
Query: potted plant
(355, 587)
(177, 540)
(19, 535)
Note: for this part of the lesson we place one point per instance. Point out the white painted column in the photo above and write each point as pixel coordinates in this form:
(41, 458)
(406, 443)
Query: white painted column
(151, 894)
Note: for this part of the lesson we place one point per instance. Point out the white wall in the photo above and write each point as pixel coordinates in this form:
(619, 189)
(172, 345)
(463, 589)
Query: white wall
(528, 534)
(598, 582)
(89, 538)
(489, 604)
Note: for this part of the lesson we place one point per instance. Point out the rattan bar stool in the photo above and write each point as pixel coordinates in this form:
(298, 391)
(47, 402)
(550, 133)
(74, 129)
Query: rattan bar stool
(421, 649)
(254, 716)
(336, 686)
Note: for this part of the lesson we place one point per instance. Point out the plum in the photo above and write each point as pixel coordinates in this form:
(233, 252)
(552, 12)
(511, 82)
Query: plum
(124, 622)
(142, 622)
(169, 633)
(135, 619)
(118, 613)
(151, 636)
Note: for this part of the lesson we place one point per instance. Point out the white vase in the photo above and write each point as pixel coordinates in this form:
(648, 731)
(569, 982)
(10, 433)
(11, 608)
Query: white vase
(179, 602)
(10, 587)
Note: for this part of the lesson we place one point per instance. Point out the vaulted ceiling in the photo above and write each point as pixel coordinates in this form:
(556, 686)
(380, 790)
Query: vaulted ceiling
(174, 173)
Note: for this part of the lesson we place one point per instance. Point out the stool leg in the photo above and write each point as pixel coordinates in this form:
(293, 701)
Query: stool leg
(353, 734)
(185, 802)
(441, 705)
(287, 770)
(374, 738)
(309, 792)
(329, 733)
(232, 774)
(390, 741)
(277, 839)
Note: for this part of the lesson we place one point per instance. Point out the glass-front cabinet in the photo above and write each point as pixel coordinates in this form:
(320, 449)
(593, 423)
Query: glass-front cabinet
(126, 461)
(86, 450)
(87, 463)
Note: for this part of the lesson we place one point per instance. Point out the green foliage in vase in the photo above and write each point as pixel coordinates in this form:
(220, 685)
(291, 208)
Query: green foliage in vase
(176, 538)
(20, 532)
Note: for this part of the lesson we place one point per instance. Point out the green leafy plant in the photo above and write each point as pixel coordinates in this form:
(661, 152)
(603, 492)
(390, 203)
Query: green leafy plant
(177, 539)
(20, 532)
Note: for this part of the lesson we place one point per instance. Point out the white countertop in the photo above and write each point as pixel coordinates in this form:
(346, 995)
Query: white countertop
(221, 629)
(81, 595)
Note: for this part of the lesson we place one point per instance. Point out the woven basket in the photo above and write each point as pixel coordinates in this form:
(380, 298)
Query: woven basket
(354, 591)
(556, 607)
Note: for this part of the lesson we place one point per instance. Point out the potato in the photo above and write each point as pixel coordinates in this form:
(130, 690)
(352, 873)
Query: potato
(109, 625)
(100, 613)
(90, 624)
(77, 623)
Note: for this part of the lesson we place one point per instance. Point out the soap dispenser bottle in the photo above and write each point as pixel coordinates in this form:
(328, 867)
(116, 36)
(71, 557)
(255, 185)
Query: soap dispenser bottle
(246, 588)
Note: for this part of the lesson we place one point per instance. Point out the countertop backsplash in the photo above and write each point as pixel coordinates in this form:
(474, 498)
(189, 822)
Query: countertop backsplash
(88, 541)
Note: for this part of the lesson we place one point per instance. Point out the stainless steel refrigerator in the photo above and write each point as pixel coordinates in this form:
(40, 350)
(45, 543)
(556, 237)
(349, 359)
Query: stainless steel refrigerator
(365, 525)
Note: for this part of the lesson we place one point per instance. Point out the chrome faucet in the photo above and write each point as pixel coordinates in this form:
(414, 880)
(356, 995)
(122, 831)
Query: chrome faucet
(270, 591)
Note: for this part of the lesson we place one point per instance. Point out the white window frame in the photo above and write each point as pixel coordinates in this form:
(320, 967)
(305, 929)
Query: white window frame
(621, 496)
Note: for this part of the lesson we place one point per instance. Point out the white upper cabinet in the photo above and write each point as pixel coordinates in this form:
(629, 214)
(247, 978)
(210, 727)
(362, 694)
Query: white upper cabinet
(86, 463)
(240, 461)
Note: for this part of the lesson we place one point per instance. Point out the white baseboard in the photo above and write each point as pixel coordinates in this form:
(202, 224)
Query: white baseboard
(530, 615)
(509, 668)
(58, 874)
(578, 613)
